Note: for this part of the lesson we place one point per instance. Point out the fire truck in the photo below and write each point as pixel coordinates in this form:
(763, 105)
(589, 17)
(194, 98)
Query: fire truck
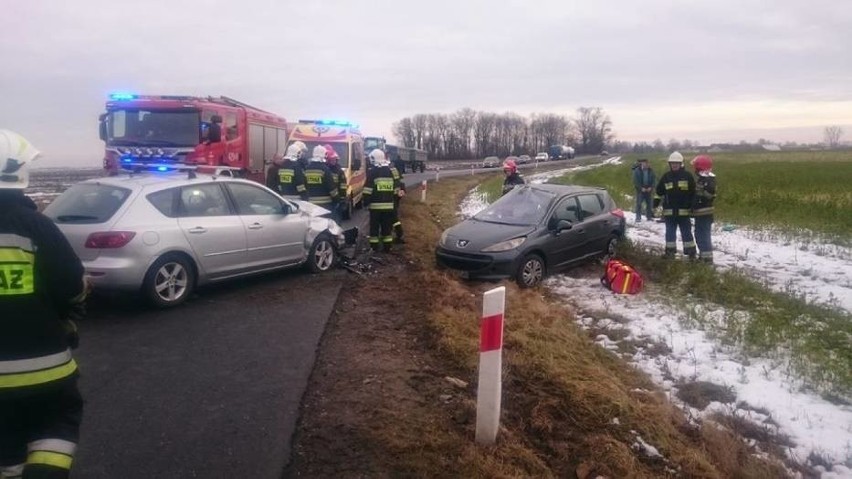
(346, 139)
(186, 130)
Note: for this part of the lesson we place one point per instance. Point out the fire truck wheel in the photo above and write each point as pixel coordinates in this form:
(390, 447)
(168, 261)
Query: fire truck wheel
(169, 281)
(322, 256)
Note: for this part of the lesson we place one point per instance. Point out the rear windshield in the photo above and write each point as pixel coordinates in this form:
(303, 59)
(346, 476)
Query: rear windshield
(87, 203)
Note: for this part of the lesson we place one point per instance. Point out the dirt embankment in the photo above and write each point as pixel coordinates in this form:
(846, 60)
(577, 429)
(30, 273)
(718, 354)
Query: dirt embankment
(380, 404)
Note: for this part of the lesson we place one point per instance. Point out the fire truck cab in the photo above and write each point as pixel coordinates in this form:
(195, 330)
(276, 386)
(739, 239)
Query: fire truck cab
(347, 141)
(186, 130)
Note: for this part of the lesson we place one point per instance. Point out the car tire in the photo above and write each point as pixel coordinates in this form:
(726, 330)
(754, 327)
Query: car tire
(323, 255)
(169, 281)
(611, 248)
(531, 271)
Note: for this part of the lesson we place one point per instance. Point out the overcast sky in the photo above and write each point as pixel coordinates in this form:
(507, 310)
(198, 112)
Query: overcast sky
(713, 70)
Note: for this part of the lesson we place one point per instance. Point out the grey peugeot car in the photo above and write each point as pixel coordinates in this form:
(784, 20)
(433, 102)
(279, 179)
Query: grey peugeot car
(532, 231)
(164, 234)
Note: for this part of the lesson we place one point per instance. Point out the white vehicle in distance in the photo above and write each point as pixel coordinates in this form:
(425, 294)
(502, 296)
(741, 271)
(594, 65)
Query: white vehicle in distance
(542, 157)
(165, 233)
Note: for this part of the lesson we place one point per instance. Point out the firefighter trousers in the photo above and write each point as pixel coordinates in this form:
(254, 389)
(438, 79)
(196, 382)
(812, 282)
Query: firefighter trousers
(39, 432)
(703, 227)
(673, 223)
(381, 229)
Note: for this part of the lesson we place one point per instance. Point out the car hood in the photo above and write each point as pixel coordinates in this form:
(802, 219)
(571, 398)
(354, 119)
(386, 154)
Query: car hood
(311, 209)
(471, 236)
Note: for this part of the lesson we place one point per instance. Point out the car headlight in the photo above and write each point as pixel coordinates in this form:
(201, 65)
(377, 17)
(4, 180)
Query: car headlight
(443, 240)
(505, 245)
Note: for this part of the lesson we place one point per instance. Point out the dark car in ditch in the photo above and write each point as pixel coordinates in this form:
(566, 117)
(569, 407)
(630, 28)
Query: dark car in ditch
(532, 231)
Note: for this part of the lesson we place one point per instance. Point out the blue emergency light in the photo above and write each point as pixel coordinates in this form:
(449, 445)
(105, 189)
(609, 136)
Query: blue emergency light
(122, 96)
(162, 168)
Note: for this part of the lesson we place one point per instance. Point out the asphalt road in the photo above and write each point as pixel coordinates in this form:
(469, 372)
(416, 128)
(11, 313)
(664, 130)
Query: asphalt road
(210, 389)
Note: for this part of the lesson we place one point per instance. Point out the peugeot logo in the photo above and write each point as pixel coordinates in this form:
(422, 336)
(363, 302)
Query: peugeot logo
(463, 243)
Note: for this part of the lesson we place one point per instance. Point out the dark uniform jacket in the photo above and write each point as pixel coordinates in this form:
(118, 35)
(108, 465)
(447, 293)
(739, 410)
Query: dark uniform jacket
(288, 180)
(41, 279)
(382, 188)
(705, 193)
(322, 190)
(339, 178)
(677, 189)
(512, 181)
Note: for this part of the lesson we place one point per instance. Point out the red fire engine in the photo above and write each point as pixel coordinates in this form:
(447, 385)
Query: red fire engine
(185, 130)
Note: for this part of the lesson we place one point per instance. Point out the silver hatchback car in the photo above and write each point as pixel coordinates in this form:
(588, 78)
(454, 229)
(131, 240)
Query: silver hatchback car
(165, 234)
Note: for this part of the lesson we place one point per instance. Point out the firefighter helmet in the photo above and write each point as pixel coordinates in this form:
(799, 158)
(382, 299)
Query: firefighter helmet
(676, 158)
(378, 158)
(702, 163)
(301, 149)
(331, 155)
(510, 166)
(319, 154)
(16, 154)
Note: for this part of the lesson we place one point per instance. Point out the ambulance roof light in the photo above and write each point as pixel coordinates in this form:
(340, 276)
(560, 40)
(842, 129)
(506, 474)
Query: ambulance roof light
(122, 96)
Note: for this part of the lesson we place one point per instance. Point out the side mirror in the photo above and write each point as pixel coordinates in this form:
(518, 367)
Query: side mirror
(356, 164)
(563, 225)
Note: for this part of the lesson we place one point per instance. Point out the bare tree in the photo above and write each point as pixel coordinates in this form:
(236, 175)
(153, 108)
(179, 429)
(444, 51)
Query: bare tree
(594, 128)
(418, 123)
(674, 144)
(404, 132)
(832, 136)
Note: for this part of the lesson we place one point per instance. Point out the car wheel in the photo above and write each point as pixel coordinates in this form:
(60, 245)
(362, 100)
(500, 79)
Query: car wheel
(531, 271)
(611, 247)
(322, 255)
(169, 281)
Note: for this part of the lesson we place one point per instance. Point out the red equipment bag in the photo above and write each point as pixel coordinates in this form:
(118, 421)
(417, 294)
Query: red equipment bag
(621, 278)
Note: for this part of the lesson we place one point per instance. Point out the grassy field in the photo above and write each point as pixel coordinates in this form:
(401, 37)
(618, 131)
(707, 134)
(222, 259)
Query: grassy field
(562, 391)
(790, 191)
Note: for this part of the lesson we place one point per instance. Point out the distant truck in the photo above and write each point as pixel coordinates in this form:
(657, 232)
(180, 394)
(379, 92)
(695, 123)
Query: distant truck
(169, 130)
(403, 158)
(561, 152)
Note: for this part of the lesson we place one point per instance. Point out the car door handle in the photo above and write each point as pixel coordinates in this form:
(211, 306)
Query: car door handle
(197, 230)
(255, 226)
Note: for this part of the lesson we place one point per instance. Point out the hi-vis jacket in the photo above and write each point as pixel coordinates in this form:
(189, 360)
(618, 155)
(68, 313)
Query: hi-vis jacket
(382, 188)
(40, 278)
(705, 193)
(676, 188)
(322, 190)
(288, 179)
(339, 178)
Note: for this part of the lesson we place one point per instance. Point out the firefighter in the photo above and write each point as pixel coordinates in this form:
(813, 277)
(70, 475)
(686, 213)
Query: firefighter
(41, 289)
(332, 161)
(513, 178)
(380, 193)
(398, 232)
(322, 190)
(677, 189)
(286, 176)
(702, 205)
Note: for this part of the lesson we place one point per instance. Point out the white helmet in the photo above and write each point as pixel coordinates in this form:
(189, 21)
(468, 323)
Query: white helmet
(299, 150)
(16, 154)
(676, 158)
(378, 158)
(319, 154)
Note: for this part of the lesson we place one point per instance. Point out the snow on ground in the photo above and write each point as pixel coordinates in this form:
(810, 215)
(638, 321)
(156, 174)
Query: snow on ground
(818, 271)
(813, 424)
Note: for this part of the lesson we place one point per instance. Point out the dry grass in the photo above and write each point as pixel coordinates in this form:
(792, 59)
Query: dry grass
(562, 393)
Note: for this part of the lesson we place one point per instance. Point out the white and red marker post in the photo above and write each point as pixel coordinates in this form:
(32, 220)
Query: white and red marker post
(490, 387)
(423, 191)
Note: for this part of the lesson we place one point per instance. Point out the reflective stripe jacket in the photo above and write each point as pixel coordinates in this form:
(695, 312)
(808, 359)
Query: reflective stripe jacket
(288, 179)
(677, 189)
(511, 181)
(320, 182)
(339, 177)
(705, 193)
(40, 278)
(381, 189)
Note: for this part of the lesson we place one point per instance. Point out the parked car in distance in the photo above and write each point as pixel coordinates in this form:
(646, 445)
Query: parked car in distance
(164, 234)
(524, 159)
(531, 231)
(542, 157)
(491, 162)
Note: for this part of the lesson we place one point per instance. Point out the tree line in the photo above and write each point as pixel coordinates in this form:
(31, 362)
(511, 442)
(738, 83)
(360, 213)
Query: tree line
(468, 133)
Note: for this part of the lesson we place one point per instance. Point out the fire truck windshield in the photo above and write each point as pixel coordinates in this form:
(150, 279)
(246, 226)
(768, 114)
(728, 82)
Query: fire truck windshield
(139, 127)
(342, 150)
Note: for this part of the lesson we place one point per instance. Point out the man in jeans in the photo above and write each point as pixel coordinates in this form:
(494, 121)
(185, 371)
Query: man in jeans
(644, 181)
